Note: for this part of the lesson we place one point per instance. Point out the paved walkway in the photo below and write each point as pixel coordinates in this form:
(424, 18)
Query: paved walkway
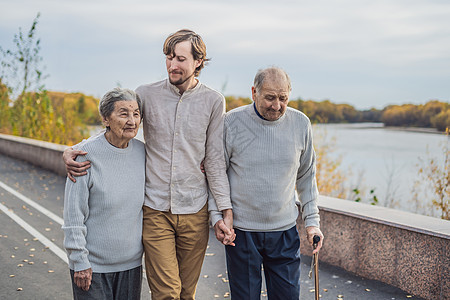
(32, 267)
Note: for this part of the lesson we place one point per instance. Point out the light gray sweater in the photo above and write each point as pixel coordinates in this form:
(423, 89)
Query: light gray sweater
(103, 210)
(266, 162)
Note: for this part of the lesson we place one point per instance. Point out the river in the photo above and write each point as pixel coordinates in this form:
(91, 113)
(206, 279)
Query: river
(386, 160)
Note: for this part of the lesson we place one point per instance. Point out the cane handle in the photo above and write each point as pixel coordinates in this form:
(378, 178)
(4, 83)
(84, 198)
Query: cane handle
(316, 240)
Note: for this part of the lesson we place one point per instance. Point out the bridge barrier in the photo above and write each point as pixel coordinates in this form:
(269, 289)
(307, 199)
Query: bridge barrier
(42, 154)
(402, 249)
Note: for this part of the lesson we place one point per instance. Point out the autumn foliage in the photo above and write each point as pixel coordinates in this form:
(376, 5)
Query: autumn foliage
(432, 114)
(48, 116)
(233, 102)
(435, 171)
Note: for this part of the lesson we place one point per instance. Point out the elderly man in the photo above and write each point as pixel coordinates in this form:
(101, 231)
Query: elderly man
(269, 154)
(183, 126)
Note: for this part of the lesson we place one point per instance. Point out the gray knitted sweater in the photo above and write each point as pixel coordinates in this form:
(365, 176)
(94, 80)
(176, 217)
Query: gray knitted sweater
(103, 210)
(267, 161)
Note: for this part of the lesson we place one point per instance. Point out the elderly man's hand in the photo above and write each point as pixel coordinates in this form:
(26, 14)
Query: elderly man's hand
(230, 236)
(83, 279)
(73, 167)
(310, 233)
(224, 234)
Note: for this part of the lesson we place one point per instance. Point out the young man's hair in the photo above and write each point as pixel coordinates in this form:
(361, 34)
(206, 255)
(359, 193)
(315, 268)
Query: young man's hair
(198, 47)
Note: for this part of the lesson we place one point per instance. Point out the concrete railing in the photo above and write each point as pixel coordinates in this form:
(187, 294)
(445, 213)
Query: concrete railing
(43, 154)
(402, 249)
(406, 250)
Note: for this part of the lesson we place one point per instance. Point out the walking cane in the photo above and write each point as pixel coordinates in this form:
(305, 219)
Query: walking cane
(315, 263)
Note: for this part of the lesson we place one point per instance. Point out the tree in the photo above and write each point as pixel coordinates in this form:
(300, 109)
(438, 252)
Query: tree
(233, 102)
(437, 176)
(5, 120)
(401, 115)
(33, 113)
(429, 110)
(349, 113)
(21, 67)
(441, 121)
(330, 179)
(371, 115)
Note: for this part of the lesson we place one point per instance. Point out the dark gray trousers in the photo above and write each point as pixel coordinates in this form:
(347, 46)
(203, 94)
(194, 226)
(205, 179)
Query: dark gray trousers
(111, 286)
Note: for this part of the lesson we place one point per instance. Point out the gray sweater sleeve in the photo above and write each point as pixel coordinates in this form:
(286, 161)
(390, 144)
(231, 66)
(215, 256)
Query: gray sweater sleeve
(306, 182)
(75, 214)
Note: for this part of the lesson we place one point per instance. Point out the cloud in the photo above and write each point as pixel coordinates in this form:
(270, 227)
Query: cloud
(332, 49)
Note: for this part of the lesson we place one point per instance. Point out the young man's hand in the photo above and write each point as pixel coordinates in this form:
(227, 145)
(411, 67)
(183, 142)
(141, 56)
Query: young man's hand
(224, 228)
(73, 167)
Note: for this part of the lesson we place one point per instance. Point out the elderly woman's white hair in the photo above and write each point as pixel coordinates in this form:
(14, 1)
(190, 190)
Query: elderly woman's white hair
(106, 105)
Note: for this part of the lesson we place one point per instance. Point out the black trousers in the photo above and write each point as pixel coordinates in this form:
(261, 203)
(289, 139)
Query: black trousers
(122, 285)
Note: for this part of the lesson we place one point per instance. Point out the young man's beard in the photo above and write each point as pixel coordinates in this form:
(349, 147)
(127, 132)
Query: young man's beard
(181, 80)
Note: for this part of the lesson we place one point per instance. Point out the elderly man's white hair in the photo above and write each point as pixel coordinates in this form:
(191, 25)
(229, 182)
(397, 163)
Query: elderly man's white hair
(262, 74)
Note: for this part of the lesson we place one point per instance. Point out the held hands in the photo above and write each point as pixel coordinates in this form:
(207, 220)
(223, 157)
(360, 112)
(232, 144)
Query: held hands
(224, 228)
(310, 233)
(73, 167)
(83, 279)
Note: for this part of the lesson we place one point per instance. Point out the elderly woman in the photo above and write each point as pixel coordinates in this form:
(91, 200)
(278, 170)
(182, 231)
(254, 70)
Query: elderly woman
(103, 210)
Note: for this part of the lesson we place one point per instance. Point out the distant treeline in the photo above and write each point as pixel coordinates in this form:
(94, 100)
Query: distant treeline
(63, 117)
(55, 117)
(434, 114)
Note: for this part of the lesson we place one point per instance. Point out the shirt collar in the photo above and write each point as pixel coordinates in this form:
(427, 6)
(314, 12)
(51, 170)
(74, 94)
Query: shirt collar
(177, 91)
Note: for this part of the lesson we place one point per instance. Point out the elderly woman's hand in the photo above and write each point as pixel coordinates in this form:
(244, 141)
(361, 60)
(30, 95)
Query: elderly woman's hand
(83, 279)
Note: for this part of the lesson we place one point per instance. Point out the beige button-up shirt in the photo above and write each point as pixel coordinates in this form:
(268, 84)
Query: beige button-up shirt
(181, 131)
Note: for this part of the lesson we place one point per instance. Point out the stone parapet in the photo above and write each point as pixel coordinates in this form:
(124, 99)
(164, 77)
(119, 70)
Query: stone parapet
(402, 249)
(43, 154)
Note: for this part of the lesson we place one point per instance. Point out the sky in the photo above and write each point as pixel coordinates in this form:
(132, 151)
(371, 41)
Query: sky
(363, 53)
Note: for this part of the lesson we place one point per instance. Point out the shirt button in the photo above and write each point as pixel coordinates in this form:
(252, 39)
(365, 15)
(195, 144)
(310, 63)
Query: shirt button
(176, 133)
(175, 151)
(174, 168)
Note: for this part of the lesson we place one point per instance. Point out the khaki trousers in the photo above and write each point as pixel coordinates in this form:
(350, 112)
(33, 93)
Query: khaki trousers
(175, 247)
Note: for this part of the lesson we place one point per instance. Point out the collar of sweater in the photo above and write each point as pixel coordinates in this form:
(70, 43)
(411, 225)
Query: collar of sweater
(260, 119)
